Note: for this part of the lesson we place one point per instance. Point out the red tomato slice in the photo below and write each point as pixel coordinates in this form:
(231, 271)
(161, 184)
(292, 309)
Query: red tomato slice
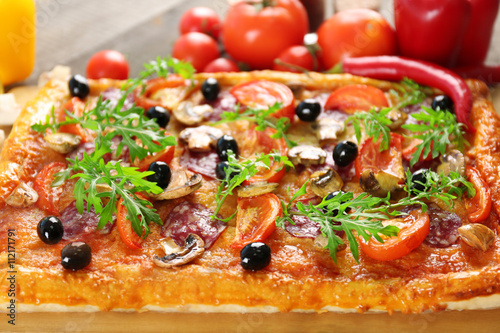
(356, 97)
(145, 101)
(478, 207)
(263, 94)
(127, 234)
(255, 219)
(166, 155)
(389, 161)
(410, 147)
(75, 106)
(413, 229)
(48, 196)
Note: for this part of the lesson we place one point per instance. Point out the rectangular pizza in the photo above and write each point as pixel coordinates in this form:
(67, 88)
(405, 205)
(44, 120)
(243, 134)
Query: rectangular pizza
(252, 192)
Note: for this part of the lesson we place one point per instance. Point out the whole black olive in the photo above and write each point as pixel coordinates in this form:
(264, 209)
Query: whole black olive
(308, 110)
(76, 255)
(443, 103)
(210, 89)
(225, 143)
(220, 170)
(159, 114)
(161, 175)
(255, 256)
(78, 86)
(344, 153)
(50, 230)
(418, 180)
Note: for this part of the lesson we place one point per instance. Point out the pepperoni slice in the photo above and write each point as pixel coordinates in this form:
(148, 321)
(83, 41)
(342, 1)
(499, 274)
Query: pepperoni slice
(192, 218)
(444, 227)
(77, 225)
(303, 227)
(202, 163)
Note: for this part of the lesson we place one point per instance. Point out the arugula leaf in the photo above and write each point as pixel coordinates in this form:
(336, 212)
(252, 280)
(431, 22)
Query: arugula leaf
(376, 125)
(408, 92)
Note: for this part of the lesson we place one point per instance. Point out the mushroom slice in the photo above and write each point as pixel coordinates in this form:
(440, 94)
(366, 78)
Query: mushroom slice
(176, 255)
(189, 114)
(477, 235)
(256, 188)
(381, 183)
(328, 129)
(307, 155)
(63, 142)
(325, 181)
(397, 118)
(22, 196)
(453, 161)
(297, 88)
(180, 185)
(200, 139)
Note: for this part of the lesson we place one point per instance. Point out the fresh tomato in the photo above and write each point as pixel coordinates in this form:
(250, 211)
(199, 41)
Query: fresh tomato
(221, 65)
(197, 48)
(256, 33)
(48, 196)
(166, 155)
(296, 59)
(127, 233)
(356, 97)
(75, 106)
(410, 147)
(109, 64)
(200, 19)
(478, 207)
(255, 219)
(355, 33)
(263, 94)
(371, 158)
(144, 100)
(413, 229)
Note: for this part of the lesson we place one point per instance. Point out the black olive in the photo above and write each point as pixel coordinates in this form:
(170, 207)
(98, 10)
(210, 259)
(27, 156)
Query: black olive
(210, 89)
(308, 110)
(255, 256)
(159, 114)
(418, 180)
(161, 175)
(220, 170)
(443, 103)
(225, 143)
(50, 230)
(78, 86)
(331, 196)
(76, 255)
(344, 153)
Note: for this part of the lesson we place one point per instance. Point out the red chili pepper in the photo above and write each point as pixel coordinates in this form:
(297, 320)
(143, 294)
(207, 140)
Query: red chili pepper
(396, 68)
(489, 74)
(446, 32)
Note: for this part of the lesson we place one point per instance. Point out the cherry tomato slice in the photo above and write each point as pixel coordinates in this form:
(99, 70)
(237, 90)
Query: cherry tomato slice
(145, 101)
(356, 97)
(264, 94)
(48, 196)
(410, 147)
(370, 158)
(255, 219)
(478, 207)
(413, 229)
(75, 106)
(166, 155)
(127, 234)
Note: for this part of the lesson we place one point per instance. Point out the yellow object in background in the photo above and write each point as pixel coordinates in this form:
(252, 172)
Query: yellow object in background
(17, 40)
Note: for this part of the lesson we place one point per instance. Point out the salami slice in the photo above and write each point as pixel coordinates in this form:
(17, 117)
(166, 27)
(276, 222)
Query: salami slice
(303, 227)
(192, 218)
(444, 227)
(226, 102)
(114, 94)
(202, 163)
(77, 225)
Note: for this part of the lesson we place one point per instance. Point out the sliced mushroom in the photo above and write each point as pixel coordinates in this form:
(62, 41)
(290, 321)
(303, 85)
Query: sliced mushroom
(22, 196)
(325, 181)
(397, 118)
(200, 139)
(63, 142)
(477, 235)
(381, 183)
(297, 88)
(454, 161)
(328, 128)
(190, 114)
(307, 155)
(180, 185)
(256, 188)
(176, 255)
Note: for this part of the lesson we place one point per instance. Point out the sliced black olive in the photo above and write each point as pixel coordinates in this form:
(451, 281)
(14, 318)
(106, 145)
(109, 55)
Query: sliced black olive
(161, 175)
(308, 110)
(78, 86)
(76, 255)
(255, 256)
(418, 180)
(210, 89)
(159, 114)
(50, 230)
(443, 103)
(225, 143)
(344, 153)
(220, 170)
(331, 196)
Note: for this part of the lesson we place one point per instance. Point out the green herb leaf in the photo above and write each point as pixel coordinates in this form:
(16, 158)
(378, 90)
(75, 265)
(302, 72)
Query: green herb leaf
(375, 124)
(408, 92)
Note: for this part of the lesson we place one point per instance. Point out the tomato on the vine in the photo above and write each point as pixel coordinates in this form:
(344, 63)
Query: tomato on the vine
(221, 65)
(109, 64)
(256, 33)
(296, 59)
(197, 48)
(200, 19)
(355, 33)
(356, 97)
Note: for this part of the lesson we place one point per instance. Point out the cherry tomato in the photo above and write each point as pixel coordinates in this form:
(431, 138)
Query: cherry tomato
(296, 59)
(127, 233)
(256, 36)
(109, 64)
(355, 33)
(263, 94)
(478, 207)
(356, 97)
(75, 106)
(197, 48)
(200, 19)
(371, 158)
(48, 196)
(255, 219)
(144, 100)
(413, 229)
(221, 65)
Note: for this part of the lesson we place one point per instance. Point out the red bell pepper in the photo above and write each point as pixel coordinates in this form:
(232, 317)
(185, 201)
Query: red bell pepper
(446, 32)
